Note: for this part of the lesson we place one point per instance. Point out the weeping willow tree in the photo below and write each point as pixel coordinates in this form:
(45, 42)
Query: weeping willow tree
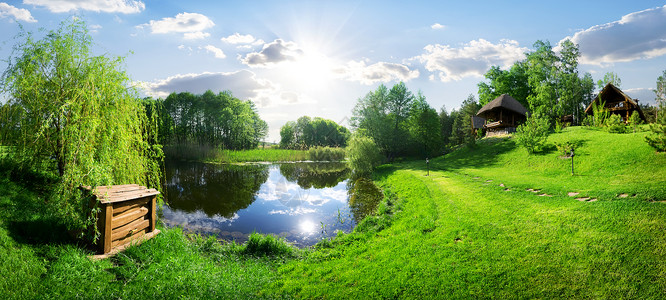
(79, 118)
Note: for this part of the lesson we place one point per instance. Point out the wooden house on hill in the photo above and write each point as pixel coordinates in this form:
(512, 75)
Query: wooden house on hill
(616, 102)
(502, 115)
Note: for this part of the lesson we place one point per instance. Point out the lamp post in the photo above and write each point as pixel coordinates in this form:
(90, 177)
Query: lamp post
(572, 160)
(427, 167)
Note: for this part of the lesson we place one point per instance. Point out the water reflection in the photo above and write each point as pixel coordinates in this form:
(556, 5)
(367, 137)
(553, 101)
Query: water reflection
(302, 202)
(364, 196)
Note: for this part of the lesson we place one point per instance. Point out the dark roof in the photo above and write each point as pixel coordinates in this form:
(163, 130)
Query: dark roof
(610, 88)
(504, 101)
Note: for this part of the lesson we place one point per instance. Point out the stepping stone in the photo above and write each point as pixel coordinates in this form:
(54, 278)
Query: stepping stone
(592, 200)
(545, 195)
(489, 180)
(623, 195)
(502, 184)
(583, 198)
(573, 194)
(476, 178)
(533, 190)
(507, 190)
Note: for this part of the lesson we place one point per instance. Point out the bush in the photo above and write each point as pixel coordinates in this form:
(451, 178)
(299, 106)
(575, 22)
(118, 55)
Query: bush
(533, 134)
(326, 154)
(267, 245)
(614, 124)
(363, 155)
(635, 120)
(657, 139)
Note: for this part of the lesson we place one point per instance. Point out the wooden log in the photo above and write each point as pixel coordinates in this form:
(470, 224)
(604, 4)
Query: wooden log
(121, 207)
(130, 238)
(128, 216)
(129, 229)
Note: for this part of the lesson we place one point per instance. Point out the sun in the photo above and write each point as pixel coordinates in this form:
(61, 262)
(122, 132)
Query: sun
(311, 71)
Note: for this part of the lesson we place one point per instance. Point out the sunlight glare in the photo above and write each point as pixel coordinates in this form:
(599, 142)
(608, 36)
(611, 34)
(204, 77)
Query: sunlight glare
(307, 227)
(312, 71)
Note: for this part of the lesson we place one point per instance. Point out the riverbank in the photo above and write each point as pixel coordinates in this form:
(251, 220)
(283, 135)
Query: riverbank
(493, 222)
(490, 222)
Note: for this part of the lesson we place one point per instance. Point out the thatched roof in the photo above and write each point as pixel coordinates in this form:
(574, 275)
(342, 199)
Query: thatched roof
(504, 101)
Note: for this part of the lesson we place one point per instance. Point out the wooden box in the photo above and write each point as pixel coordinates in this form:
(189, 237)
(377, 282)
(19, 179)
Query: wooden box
(127, 215)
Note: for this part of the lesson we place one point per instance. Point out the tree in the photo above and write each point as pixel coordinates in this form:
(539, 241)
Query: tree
(79, 117)
(513, 82)
(446, 123)
(363, 154)
(532, 134)
(609, 77)
(425, 128)
(461, 131)
(657, 138)
(660, 91)
(307, 132)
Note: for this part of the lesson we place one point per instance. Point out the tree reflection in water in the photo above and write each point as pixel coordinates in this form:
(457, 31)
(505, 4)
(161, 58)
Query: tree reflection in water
(364, 196)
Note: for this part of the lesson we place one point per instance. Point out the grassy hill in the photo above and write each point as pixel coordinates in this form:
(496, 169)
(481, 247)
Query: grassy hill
(472, 229)
(492, 221)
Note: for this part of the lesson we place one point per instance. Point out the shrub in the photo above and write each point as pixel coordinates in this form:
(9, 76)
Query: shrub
(635, 120)
(614, 124)
(267, 245)
(326, 154)
(363, 155)
(657, 139)
(533, 134)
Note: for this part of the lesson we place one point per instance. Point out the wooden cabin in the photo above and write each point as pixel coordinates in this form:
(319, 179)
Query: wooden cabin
(617, 102)
(502, 115)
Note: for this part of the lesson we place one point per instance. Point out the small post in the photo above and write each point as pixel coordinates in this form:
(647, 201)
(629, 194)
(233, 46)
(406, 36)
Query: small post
(427, 167)
(572, 161)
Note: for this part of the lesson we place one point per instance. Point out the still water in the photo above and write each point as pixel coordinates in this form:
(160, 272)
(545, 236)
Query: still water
(302, 202)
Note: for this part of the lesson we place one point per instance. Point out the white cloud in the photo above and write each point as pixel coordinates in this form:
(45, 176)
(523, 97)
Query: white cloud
(244, 40)
(471, 59)
(107, 6)
(644, 95)
(192, 25)
(217, 51)
(378, 72)
(638, 35)
(273, 53)
(437, 26)
(18, 14)
(95, 28)
(243, 84)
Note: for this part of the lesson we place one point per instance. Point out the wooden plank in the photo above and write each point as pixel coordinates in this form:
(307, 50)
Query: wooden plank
(130, 228)
(128, 216)
(121, 207)
(129, 239)
(121, 248)
(128, 196)
(152, 213)
(105, 217)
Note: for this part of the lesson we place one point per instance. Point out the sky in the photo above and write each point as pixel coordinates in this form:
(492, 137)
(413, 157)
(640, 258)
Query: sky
(317, 58)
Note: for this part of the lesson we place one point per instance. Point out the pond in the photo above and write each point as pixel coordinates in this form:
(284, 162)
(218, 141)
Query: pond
(302, 202)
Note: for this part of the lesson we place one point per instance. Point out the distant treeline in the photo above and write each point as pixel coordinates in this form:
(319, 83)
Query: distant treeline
(207, 120)
(307, 132)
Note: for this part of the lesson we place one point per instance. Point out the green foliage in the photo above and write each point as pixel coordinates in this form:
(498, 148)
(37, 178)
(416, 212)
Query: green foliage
(609, 77)
(660, 91)
(614, 124)
(326, 154)
(657, 138)
(398, 122)
(462, 122)
(635, 120)
(77, 117)
(599, 113)
(363, 155)
(513, 82)
(318, 132)
(259, 245)
(211, 120)
(533, 134)
(260, 155)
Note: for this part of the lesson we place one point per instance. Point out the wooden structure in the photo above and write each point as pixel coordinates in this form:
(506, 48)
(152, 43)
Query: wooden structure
(616, 102)
(127, 215)
(502, 115)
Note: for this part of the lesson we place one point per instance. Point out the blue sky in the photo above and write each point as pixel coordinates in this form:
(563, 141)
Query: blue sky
(316, 58)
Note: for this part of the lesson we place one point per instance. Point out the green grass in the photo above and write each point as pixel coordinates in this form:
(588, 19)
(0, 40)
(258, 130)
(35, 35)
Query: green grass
(460, 235)
(40, 261)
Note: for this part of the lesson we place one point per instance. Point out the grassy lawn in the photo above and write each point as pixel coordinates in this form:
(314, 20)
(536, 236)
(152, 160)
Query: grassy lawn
(460, 234)
(469, 230)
